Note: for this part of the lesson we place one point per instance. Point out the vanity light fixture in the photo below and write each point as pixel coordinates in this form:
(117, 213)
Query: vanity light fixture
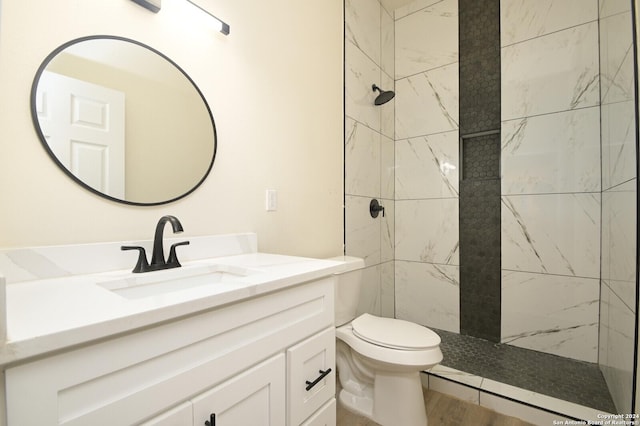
(152, 5)
(221, 26)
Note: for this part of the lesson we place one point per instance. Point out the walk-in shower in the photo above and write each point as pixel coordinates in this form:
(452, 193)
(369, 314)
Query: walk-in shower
(533, 254)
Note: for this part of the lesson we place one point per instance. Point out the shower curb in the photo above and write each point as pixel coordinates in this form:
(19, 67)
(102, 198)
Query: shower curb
(509, 400)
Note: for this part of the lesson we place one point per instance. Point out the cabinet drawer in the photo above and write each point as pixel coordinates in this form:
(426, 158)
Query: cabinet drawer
(310, 375)
(326, 416)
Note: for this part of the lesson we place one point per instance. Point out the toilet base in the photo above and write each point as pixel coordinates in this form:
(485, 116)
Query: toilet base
(356, 404)
(397, 400)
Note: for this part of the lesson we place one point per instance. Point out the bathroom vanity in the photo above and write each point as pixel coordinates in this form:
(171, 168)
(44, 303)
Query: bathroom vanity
(233, 337)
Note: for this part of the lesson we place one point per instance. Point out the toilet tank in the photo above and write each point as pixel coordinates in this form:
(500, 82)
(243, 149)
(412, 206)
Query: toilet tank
(347, 290)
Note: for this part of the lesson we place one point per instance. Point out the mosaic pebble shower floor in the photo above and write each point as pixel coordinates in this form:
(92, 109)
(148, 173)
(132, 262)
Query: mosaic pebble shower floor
(567, 379)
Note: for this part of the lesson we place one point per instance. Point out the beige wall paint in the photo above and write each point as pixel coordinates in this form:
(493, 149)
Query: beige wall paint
(274, 86)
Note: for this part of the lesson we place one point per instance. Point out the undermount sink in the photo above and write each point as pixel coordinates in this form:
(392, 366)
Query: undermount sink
(136, 286)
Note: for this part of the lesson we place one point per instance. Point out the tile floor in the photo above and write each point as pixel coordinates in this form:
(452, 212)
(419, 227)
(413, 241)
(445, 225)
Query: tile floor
(442, 410)
(574, 381)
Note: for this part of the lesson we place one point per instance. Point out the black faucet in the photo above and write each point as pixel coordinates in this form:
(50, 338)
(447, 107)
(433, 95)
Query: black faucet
(157, 259)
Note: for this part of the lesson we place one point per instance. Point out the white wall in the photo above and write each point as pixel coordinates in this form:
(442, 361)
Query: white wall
(274, 86)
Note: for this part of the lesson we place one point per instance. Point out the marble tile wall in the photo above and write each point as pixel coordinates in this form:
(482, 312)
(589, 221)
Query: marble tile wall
(550, 175)
(369, 150)
(427, 263)
(619, 183)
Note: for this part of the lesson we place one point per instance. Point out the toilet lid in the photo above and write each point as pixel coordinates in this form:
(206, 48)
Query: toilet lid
(394, 333)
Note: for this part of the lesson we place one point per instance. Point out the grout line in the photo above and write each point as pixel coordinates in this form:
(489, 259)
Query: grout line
(549, 33)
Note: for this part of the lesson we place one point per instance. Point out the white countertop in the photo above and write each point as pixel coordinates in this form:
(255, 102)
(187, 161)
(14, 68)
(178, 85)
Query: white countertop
(46, 315)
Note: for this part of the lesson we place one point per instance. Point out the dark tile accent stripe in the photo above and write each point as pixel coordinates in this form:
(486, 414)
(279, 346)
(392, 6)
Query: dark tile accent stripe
(479, 47)
(480, 289)
(480, 274)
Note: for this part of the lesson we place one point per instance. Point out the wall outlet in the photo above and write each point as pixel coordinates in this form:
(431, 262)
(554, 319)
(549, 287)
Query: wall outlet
(271, 200)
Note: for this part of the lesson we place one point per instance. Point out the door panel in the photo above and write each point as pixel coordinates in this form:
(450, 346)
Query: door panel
(85, 130)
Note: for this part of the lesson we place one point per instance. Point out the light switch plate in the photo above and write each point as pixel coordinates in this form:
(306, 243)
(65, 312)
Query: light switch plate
(271, 200)
(152, 5)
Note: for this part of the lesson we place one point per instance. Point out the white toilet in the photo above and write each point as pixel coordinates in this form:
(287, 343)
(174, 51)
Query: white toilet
(379, 359)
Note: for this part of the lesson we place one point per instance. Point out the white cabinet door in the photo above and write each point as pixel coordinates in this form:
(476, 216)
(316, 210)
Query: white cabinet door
(181, 415)
(253, 398)
(311, 382)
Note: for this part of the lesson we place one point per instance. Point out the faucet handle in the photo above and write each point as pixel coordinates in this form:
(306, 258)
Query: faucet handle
(173, 257)
(142, 265)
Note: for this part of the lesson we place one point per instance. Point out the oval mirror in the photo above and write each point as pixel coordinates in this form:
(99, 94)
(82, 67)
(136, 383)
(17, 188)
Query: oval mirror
(123, 120)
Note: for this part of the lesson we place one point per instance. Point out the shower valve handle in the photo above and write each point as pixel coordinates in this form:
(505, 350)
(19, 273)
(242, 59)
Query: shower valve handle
(375, 208)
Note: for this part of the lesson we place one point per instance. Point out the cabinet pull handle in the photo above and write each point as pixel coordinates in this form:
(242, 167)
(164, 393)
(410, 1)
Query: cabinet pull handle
(211, 421)
(322, 375)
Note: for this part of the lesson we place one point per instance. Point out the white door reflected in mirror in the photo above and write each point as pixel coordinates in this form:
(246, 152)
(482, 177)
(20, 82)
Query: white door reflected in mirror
(83, 124)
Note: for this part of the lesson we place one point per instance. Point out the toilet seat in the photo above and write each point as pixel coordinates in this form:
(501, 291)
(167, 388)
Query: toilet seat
(394, 333)
(394, 358)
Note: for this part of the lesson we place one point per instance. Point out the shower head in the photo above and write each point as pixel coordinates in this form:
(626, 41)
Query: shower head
(384, 96)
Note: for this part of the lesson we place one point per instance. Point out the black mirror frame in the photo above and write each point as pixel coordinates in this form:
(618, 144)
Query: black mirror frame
(36, 123)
